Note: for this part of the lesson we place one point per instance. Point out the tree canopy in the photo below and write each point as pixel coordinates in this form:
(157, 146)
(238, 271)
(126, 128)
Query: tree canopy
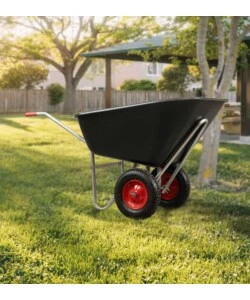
(60, 41)
(23, 75)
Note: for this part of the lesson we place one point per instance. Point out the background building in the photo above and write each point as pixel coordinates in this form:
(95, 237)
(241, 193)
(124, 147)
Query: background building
(121, 71)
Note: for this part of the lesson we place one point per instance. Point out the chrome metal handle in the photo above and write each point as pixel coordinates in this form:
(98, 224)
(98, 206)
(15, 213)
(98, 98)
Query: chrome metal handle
(33, 114)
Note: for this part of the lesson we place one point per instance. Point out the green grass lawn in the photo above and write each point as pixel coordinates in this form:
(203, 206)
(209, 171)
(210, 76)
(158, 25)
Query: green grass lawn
(50, 233)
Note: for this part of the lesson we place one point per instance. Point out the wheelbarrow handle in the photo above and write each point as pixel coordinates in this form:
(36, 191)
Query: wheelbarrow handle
(30, 114)
(33, 114)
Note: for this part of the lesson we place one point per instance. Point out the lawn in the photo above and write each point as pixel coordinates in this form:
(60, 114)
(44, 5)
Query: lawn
(50, 233)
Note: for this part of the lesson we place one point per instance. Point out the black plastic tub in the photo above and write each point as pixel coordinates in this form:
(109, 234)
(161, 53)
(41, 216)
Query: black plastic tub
(147, 133)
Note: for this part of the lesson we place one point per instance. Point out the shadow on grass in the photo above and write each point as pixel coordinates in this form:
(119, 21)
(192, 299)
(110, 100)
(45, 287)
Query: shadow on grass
(229, 151)
(237, 214)
(57, 176)
(14, 124)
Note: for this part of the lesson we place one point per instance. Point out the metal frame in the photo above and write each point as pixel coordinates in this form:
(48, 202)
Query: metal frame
(182, 152)
(192, 138)
(94, 189)
(58, 123)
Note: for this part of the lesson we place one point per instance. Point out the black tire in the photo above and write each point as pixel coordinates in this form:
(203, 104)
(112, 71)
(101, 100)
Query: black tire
(137, 183)
(180, 194)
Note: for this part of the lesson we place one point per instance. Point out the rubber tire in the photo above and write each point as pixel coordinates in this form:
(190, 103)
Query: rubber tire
(184, 190)
(153, 194)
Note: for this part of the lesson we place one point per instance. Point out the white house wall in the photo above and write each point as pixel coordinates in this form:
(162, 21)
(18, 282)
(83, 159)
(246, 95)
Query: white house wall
(120, 73)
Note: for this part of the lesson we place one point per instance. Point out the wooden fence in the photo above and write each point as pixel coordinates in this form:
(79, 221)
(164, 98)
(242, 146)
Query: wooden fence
(19, 101)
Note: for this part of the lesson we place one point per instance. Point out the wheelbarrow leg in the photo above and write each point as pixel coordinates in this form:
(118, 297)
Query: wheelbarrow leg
(122, 166)
(94, 188)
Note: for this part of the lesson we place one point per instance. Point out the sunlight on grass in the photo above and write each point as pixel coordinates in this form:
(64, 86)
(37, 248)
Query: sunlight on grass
(198, 147)
(223, 150)
(50, 233)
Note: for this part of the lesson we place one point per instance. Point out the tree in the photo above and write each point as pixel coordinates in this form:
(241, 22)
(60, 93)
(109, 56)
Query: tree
(11, 79)
(230, 33)
(60, 42)
(175, 78)
(26, 75)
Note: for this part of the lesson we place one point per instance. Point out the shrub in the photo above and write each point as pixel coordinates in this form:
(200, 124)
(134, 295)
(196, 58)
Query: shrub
(138, 85)
(198, 92)
(174, 78)
(56, 93)
(232, 88)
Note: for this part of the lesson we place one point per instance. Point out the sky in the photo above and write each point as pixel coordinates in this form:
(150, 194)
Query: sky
(125, 8)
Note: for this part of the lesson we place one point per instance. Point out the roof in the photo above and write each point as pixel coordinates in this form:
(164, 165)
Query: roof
(144, 44)
(123, 51)
(247, 38)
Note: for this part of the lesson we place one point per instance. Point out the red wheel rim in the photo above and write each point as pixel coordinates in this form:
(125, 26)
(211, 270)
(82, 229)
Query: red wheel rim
(135, 194)
(173, 190)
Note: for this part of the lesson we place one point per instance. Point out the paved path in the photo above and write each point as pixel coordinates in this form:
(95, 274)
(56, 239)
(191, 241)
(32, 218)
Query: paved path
(234, 139)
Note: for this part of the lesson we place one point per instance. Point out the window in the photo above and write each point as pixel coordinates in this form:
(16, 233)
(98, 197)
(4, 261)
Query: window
(151, 69)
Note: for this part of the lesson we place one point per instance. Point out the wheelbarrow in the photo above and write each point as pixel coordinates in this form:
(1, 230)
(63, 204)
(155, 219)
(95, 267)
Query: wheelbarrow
(156, 135)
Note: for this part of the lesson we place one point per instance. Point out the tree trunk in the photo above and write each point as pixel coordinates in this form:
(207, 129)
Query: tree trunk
(208, 161)
(201, 56)
(26, 100)
(70, 95)
(211, 140)
(209, 156)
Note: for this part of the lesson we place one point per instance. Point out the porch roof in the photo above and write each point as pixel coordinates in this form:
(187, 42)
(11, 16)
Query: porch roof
(125, 51)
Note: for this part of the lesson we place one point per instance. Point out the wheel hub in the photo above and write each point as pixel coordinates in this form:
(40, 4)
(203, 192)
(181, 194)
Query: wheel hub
(173, 189)
(135, 194)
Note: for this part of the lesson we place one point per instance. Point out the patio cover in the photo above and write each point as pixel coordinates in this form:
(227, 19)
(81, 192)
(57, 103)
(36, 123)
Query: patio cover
(123, 52)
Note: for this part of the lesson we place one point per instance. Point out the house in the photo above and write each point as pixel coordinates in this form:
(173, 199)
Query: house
(121, 71)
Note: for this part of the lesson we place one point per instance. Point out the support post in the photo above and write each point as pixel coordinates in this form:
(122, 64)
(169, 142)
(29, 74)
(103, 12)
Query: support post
(243, 94)
(108, 85)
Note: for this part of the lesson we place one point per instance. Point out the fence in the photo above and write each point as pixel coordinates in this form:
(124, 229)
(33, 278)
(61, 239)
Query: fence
(19, 101)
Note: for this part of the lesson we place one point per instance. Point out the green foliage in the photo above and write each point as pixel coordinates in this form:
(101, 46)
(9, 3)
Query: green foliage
(180, 41)
(138, 85)
(11, 79)
(181, 35)
(25, 74)
(198, 92)
(232, 88)
(244, 56)
(50, 232)
(56, 93)
(175, 78)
